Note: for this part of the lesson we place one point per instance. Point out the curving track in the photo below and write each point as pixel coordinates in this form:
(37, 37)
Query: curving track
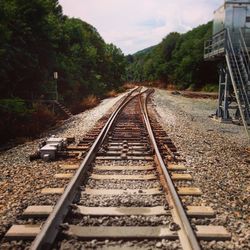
(131, 190)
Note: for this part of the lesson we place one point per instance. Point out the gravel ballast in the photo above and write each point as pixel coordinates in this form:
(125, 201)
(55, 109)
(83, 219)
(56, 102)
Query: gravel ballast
(217, 158)
(21, 181)
(215, 155)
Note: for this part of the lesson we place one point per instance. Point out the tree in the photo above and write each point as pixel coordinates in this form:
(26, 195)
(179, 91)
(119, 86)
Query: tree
(27, 49)
(37, 39)
(178, 60)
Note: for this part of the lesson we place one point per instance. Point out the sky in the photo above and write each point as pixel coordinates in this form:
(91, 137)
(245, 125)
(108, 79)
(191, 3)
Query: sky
(133, 25)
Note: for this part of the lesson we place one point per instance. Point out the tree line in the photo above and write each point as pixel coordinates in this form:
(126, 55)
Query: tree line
(177, 60)
(36, 40)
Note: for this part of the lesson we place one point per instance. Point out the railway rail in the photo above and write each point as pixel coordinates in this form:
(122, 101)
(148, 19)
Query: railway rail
(131, 186)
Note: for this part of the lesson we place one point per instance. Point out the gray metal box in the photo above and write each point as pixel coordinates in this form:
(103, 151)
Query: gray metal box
(54, 140)
(233, 14)
(48, 152)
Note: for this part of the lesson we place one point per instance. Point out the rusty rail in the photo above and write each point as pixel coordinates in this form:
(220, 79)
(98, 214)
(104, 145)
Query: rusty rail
(186, 233)
(50, 229)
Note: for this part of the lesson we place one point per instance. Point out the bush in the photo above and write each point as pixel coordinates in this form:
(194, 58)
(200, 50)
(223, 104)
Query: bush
(211, 88)
(17, 120)
(42, 118)
(111, 93)
(14, 106)
(89, 102)
(191, 87)
(129, 85)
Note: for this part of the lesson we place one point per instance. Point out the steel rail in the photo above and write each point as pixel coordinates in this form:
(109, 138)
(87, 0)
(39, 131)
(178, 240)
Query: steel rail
(188, 239)
(51, 227)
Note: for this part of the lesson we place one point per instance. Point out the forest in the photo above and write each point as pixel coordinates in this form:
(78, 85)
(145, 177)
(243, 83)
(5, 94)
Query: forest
(36, 40)
(176, 61)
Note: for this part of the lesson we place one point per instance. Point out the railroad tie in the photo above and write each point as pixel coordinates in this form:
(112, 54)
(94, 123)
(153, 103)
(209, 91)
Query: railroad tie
(192, 211)
(22, 232)
(69, 167)
(176, 167)
(181, 177)
(151, 191)
(52, 191)
(123, 177)
(64, 176)
(123, 168)
(189, 191)
(118, 158)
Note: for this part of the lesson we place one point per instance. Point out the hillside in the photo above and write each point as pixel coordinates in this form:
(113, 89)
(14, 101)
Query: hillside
(36, 40)
(144, 51)
(177, 60)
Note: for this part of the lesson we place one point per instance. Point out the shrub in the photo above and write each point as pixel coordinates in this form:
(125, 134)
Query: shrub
(19, 121)
(211, 88)
(42, 118)
(14, 106)
(191, 87)
(111, 93)
(89, 102)
(129, 85)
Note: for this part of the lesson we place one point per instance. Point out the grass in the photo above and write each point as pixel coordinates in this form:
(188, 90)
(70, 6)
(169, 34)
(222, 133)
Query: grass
(211, 88)
(111, 93)
(89, 102)
(26, 124)
(129, 85)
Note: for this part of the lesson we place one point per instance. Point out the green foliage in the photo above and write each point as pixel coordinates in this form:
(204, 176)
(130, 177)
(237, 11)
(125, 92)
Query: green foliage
(178, 60)
(16, 106)
(211, 88)
(18, 120)
(36, 39)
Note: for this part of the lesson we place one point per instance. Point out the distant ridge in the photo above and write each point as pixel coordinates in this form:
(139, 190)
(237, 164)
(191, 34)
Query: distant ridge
(176, 60)
(144, 51)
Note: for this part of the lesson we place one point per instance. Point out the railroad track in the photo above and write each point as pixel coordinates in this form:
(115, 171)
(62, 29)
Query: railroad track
(131, 190)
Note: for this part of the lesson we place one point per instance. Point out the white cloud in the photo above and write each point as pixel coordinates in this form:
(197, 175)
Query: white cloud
(133, 25)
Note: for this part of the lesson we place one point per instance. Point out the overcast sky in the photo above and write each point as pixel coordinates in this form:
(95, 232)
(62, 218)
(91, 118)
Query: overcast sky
(133, 25)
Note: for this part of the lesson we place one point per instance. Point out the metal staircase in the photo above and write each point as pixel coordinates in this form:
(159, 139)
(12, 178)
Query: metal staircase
(237, 59)
(64, 109)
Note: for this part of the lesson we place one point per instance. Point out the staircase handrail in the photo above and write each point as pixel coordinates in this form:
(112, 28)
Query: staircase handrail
(215, 42)
(244, 59)
(238, 69)
(246, 56)
(244, 44)
(230, 47)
